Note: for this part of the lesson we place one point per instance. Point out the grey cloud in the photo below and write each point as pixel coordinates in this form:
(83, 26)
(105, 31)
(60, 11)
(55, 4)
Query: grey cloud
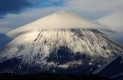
(18, 6)
(13, 6)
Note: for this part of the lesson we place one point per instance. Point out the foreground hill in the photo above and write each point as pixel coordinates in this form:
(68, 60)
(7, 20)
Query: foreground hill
(113, 69)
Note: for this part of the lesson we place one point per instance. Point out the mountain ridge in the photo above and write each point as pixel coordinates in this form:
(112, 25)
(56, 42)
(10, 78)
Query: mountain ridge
(113, 69)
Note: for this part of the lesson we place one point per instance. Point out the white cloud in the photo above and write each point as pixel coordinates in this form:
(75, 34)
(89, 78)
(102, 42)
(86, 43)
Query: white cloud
(95, 5)
(58, 20)
(4, 30)
(17, 20)
(2, 23)
(113, 20)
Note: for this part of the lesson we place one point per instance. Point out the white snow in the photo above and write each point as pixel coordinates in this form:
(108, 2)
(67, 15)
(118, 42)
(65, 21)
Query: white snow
(61, 19)
(70, 64)
(90, 63)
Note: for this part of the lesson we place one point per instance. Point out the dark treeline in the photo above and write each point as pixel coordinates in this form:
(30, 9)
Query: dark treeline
(48, 76)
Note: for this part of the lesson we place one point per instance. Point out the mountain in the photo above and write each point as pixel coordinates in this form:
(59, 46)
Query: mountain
(58, 50)
(65, 51)
(113, 69)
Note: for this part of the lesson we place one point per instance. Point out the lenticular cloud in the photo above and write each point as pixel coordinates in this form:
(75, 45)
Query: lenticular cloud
(114, 21)
(61, 19)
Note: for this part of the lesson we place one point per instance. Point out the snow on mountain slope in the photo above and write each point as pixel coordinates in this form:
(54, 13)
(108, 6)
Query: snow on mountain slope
(64, 51)
(61, 19)
(113, 69)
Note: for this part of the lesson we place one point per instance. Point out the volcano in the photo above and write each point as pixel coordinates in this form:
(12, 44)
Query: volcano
(76, 48)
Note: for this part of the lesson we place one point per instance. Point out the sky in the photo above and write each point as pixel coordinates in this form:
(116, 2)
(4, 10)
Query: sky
(16, 13)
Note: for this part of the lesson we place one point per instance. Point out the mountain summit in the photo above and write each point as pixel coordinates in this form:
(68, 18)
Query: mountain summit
(57, 50)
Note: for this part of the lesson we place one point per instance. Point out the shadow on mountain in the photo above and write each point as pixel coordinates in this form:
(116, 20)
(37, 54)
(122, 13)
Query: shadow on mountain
(120, 77)
(4, 40)
(48, 76)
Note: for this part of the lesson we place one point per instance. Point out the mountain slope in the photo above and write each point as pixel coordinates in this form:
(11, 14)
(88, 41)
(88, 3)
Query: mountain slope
(114, 69)
(64, 51)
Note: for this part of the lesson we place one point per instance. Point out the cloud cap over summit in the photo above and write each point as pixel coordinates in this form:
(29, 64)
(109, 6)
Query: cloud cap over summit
(61, 19)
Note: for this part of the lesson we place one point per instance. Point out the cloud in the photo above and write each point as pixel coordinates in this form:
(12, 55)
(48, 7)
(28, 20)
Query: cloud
(95, 5)
(61, 19)
(18, 6)
(26, 17)
(4, 30)
(13, 6)
(2, 23)
(113, 20)
(88, 6)
(90, 9)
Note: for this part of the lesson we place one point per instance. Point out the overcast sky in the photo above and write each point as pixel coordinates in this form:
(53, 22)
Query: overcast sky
(16, 13)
